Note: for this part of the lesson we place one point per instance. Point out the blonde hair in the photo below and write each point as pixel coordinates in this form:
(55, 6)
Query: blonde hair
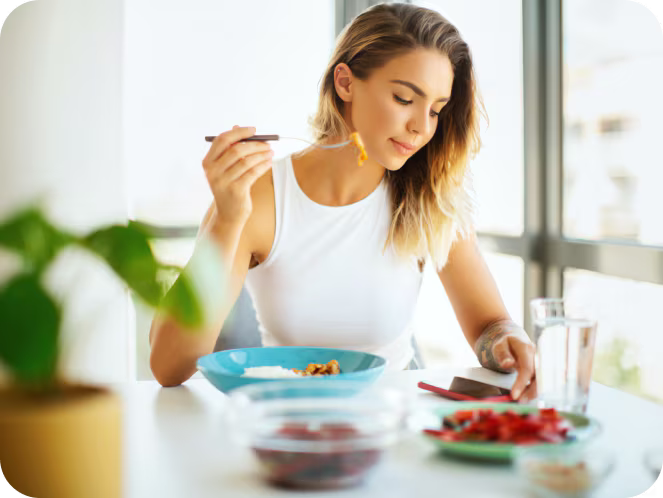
(432, 198)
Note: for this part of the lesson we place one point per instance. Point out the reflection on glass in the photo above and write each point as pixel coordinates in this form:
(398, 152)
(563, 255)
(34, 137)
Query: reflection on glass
(613, 162)
(629, 339)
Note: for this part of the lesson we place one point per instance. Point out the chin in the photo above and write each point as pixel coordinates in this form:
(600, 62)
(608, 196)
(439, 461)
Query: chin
(394, 163)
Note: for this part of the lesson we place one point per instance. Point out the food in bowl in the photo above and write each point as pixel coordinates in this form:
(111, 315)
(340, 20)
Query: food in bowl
(546, 426)
(278, 372)
(562, 471)
(323, 433)
(343, 465)
(331, 368)
(275, 372)
(560, 478)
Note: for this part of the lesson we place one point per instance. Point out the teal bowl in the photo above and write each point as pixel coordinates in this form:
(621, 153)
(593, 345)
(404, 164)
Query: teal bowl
(224, 369)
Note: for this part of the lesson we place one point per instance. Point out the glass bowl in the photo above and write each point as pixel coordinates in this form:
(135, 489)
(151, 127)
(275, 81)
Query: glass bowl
(318, 434)
(654, 460)
(557, 471)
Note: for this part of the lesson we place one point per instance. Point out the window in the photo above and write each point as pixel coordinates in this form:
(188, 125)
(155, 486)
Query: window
(628, 341)
(611, 169)
(612, 172)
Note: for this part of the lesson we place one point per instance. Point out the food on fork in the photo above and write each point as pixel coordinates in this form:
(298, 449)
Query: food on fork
(360, 145)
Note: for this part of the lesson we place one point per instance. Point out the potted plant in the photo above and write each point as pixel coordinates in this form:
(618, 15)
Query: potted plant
(60, 438)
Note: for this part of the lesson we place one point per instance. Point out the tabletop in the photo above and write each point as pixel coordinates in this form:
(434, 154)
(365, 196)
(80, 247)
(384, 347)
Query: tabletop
(176, 445)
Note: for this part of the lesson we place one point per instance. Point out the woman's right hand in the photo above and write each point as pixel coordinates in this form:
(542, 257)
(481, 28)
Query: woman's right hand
(232, 167)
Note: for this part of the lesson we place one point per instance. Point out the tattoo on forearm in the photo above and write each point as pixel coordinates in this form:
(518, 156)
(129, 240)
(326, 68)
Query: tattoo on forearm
(493, 334)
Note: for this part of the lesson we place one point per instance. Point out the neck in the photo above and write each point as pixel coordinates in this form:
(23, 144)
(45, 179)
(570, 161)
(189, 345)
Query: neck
(332, 176)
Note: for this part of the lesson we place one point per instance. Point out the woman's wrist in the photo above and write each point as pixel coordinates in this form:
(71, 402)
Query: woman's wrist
(493, 334)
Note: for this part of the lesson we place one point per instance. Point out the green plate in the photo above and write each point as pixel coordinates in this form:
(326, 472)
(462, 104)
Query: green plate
(584, 428)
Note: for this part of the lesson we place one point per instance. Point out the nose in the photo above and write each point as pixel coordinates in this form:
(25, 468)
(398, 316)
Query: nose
(419, 125)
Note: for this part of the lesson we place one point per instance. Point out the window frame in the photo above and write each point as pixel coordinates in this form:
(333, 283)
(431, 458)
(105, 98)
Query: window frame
(543, 247)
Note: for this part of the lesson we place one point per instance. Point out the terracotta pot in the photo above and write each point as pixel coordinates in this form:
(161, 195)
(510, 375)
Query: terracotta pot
(67, 444)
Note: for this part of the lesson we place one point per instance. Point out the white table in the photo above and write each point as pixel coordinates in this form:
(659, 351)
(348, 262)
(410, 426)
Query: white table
(177, 446)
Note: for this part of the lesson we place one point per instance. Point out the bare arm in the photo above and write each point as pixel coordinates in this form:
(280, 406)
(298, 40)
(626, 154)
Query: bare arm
(232, 168)
(472, 290)
(499, 343)
(174, 348)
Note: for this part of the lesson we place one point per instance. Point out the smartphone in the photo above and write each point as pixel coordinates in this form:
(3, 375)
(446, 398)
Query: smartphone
(476, 389)
(462, 389)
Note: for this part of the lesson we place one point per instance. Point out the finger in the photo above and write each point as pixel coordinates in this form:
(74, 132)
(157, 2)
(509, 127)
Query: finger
(226, 139)
(234, 154)
(246, 163)
(523, 353)
(248, 179)
(529, 393)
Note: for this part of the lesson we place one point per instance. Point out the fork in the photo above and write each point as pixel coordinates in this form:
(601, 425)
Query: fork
(265, 138)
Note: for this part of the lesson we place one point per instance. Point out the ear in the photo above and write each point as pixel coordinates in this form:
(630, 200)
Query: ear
(343, 80)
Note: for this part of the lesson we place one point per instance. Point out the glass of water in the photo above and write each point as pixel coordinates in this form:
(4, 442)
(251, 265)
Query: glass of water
(564, 355)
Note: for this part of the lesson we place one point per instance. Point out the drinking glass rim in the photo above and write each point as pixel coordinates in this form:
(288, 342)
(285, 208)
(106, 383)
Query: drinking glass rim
(538, 300)
(566, 320)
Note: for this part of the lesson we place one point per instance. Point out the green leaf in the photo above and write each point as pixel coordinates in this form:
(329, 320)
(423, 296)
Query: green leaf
(196, 298)
(181, 302)
(34, 238)
(29, 326)
(126, 249)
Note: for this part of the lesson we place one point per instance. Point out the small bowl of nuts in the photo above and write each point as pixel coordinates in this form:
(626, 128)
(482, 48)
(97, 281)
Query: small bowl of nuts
(553, 471)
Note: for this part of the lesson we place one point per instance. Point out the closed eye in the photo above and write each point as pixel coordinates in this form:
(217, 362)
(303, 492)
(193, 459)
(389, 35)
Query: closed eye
(402, 101)
(406, 102)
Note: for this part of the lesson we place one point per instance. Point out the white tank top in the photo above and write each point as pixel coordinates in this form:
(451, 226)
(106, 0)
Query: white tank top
(326, 281)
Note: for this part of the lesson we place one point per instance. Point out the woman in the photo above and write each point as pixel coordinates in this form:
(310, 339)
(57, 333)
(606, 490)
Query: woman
(332, 253)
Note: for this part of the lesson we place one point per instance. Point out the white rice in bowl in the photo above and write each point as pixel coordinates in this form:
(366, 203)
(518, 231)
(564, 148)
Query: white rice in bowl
(275, 372)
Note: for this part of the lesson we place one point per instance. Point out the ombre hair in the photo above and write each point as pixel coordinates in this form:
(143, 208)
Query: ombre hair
(432, 198)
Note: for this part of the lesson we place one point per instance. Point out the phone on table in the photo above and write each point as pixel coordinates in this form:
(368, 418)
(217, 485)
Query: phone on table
(462, 389)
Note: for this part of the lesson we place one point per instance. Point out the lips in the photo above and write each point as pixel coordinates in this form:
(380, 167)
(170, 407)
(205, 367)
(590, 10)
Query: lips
(404, 149)
(405, 145)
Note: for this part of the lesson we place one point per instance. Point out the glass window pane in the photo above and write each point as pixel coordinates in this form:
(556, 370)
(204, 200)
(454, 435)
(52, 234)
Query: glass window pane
(613, 161)
(629, 339)
(497, 52)
(440, 338)
(197, 68)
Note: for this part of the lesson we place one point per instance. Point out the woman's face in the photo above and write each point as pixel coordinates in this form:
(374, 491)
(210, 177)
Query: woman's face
(398, 104)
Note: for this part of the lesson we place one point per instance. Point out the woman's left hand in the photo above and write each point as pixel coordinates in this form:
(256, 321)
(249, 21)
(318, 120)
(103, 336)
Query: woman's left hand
(515, 353)
(505, 347)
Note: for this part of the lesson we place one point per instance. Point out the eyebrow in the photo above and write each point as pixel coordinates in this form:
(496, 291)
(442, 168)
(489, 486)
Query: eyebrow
(417, 90)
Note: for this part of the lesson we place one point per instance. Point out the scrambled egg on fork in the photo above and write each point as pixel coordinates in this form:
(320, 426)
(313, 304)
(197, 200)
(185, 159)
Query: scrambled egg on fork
(356, 140)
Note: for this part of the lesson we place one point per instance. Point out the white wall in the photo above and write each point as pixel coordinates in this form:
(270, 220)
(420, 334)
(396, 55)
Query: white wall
(197, 68)
(60, 142)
